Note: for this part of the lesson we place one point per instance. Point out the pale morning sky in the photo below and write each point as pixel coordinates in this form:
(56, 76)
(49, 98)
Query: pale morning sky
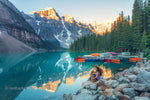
(88, 10)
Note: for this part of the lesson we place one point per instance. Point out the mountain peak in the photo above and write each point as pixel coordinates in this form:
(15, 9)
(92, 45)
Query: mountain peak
(101, 28)
(84, 22)
(68, 18)
(48, 13)
(48, 8)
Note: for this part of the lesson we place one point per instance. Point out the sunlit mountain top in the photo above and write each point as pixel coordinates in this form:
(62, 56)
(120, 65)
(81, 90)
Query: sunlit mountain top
(48, 13)
(69, 18)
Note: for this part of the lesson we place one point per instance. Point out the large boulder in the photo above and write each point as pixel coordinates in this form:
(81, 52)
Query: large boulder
(144, 77)
(132, 78)
(67, 97)
(134, 70)
(147, 65)
(84, 91)
(139, 63)
(123, 97)
(141, 98)
(87, 84)
(116, 93)
(85, 96)
(113, 97)
(118, 75)
(121, 87)
(113, 83)
(102, 97)
(145, 95)
(147, 69)
(108, 92)
(123, 80)
(129, 91)
(138, 86)
(93, 87)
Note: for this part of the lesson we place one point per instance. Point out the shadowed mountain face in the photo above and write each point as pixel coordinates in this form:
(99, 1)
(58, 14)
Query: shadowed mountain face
(53, 28)
(9, 44)
(13, 24)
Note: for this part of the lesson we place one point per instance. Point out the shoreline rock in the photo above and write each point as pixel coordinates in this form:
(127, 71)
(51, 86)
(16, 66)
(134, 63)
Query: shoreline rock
(130, 84)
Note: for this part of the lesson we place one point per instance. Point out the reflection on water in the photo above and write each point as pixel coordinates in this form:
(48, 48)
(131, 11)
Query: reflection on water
(85, 76)
(70, 81)
(106, 72)
(79, 74)
(50, 86)
(45, 76)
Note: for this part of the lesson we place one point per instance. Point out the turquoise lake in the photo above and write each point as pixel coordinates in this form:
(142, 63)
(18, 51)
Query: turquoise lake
(45, 76)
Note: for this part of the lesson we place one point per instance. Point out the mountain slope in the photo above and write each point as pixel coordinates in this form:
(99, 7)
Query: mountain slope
(55, 29)
(10, 44)
(13, 23)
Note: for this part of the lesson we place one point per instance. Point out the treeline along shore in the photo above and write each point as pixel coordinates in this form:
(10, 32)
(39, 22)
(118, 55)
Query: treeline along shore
(130, 35)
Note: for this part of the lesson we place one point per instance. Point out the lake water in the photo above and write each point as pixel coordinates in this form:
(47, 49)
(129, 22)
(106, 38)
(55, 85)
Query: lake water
(45, 76)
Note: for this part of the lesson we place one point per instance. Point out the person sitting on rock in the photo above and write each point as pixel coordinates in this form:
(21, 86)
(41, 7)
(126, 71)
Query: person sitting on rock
(92, 77)
(98, 72)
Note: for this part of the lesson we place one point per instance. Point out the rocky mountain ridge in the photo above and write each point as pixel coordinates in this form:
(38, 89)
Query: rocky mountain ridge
(50, 29)
(98, 28)
(13, 24)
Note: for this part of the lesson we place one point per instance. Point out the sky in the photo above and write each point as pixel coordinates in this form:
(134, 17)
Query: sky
(88, 10)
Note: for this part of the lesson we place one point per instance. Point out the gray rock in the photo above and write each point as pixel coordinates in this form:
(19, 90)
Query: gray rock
(122, 86)
(102, 97)
(139, 63)
(113, 97)
(144, 77)
(148, 65)
(99, 88)
(146, 69)
(132, 78)
(124, 80)
(141, 98)
(84, 91)
(116, 93)
(93, 87)
(85, 96)
(129, 91)
(132, 69)
(94, 92)
(67, 97)
(138, 86)
(113, 83)
(73, 96)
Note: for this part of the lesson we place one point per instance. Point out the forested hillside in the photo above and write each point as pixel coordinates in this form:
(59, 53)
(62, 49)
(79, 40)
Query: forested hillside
(130, 35)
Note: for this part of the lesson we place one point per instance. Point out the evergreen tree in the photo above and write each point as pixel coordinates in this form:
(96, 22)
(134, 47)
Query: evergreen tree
(137, 24)
(143, 41)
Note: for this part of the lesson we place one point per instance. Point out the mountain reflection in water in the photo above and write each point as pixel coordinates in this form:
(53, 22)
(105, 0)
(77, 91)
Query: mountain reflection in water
(45, 76)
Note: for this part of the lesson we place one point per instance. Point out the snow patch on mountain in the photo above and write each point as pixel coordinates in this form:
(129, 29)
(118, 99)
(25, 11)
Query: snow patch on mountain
(38, 22)
(57, 37)
(38, 32)
(68, 32)
(79, 32)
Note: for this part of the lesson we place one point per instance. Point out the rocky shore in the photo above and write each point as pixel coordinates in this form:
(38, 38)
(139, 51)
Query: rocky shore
(130, 84)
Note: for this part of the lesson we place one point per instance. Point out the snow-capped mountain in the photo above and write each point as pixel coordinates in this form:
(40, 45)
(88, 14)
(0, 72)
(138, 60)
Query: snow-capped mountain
(61, 31)
(55, 29)
(48, 13)
(101, 28)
